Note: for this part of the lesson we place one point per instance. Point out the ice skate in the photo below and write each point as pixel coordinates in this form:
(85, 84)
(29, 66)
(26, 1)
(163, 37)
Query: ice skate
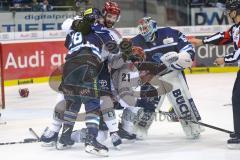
(116, 139)
(92, 146)
(49, 138)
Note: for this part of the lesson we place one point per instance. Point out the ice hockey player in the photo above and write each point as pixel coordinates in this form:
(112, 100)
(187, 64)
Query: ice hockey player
(111, 13)
(123, 78)
(83, 63)
(171, 48)
(125, 81)
(230, 36)
(132, 60)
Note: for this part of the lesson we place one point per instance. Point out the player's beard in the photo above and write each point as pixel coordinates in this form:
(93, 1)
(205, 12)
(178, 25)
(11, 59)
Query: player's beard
(109, 24)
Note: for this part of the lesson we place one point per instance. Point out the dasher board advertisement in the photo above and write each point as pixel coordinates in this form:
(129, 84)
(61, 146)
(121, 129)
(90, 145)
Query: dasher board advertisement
(33, 21)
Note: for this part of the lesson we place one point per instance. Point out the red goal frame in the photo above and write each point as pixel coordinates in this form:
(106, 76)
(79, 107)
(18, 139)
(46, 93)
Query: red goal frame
(2, 94)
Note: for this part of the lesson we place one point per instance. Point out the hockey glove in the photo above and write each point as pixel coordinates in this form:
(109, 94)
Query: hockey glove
(169, 58)
(126, 48)
(112, 47)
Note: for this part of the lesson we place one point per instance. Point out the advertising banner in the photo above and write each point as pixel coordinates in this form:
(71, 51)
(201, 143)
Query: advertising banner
(206, 54)
(209, 16)
(32, 59)
(32, 21)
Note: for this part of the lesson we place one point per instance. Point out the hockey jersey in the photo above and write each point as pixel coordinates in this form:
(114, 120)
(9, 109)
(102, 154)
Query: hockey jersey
(167, 40)
(227, 37)
(96, 40)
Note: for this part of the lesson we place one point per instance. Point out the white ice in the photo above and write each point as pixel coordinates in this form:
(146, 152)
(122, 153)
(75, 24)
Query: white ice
(166, 140)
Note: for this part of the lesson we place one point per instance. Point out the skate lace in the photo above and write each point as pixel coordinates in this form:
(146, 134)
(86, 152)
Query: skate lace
(48, 133)
(115, 137)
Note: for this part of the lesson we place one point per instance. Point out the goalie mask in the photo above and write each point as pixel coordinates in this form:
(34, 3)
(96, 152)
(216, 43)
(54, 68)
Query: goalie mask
(147, 27)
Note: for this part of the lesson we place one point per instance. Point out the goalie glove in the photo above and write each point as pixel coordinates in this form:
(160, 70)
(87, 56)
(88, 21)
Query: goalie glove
(177, 61)
(169, 58)
(184, 61)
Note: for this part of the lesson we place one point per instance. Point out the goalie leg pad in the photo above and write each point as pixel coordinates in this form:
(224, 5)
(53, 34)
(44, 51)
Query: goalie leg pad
(183, 104)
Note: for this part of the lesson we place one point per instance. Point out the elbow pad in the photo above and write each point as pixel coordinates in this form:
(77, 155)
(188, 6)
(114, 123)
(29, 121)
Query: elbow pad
(66, 26)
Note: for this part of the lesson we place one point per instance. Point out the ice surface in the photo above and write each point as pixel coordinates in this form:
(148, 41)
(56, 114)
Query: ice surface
(166, 140)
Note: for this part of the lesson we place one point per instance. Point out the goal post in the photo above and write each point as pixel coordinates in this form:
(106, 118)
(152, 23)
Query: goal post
(2, 94)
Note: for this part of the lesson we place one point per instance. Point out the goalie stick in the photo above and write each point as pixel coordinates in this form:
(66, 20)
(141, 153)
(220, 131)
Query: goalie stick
(208, 125)
(200, 123)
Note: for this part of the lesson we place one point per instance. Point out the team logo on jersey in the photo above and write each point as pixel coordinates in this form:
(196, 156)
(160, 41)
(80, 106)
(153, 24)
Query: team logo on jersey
(168, 40)
(183, 37)
(103, 83)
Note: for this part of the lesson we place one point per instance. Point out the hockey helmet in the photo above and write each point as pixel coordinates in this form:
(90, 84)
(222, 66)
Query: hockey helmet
(111, 7)
(137, 55)
(111, 13)
(232, 5)
(23, 92)
(233, 9)
(147, 27)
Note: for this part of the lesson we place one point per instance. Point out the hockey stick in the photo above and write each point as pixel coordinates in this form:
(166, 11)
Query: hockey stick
(208, 125)
(200, 123)
(27, 140)
(34, 134)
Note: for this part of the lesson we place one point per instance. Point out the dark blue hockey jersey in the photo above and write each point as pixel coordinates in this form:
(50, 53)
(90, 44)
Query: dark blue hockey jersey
(167, 39)
(95, 40)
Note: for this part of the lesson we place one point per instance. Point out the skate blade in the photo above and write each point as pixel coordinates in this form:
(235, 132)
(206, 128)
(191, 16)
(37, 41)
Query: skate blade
(91, 150)
(50, 144)
(126, 141)
(60, 146)
(193, 136)
(233, 146)
(118, 147)
(141, 134)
